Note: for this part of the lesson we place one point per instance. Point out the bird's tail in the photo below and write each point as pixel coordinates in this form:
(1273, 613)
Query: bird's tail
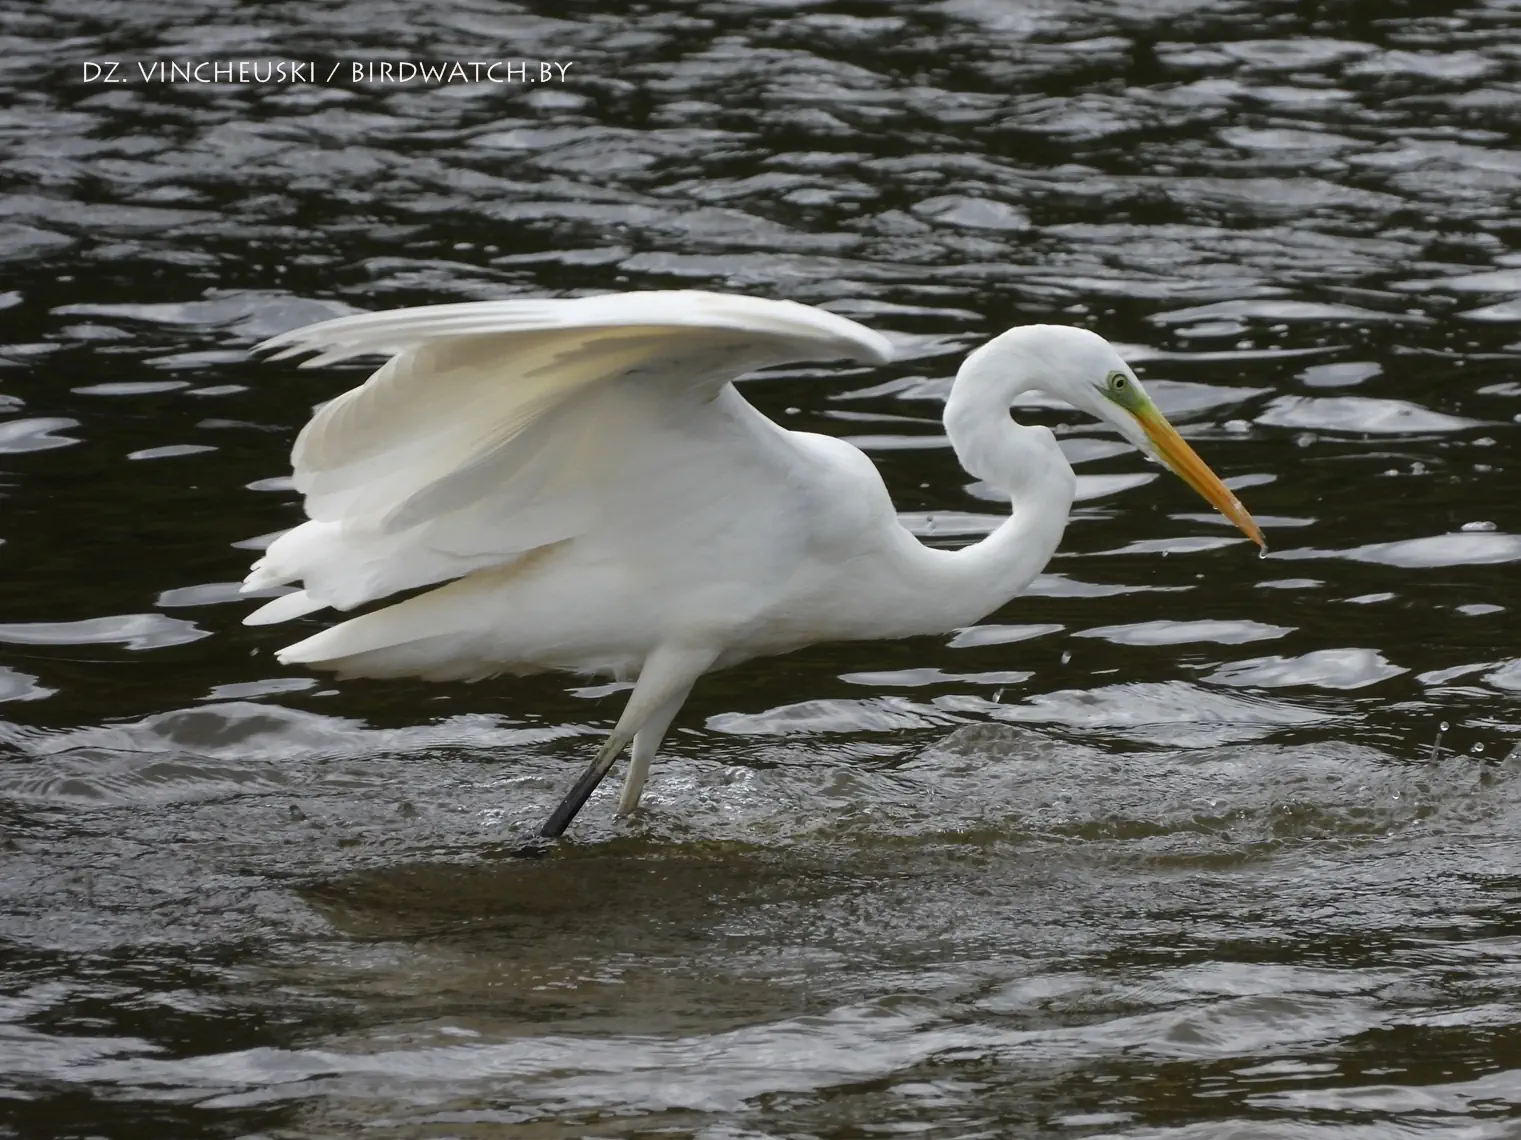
(437, 636)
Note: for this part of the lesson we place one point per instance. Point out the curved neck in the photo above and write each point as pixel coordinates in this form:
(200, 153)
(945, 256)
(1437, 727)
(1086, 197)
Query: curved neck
(1023, 462)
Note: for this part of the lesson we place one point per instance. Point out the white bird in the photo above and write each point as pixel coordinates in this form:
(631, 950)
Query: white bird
(600, 499)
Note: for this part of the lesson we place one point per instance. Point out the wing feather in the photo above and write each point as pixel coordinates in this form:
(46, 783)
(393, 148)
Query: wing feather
(484, 434)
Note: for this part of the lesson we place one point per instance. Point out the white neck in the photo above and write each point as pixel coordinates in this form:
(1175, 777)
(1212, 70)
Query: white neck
(962, 586)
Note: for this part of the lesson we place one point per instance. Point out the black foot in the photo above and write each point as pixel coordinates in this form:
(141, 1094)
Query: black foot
(576, 799)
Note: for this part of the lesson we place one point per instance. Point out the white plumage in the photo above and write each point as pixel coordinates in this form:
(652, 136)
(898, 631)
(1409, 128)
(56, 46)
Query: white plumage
(587, 491)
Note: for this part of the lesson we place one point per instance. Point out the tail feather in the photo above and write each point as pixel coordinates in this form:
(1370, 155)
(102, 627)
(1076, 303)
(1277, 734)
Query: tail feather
(440, 635)
(296, 604)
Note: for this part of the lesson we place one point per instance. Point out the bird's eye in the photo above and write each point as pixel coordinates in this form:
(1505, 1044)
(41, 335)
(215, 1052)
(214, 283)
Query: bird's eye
(1117, 382)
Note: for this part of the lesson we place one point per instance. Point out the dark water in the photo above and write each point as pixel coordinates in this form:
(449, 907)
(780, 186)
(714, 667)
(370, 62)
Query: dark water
(1161, 850)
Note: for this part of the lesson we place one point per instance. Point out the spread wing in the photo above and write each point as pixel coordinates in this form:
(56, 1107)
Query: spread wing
(490, 431)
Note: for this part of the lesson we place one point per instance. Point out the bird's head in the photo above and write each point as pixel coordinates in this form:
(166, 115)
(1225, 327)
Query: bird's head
(1084, 369)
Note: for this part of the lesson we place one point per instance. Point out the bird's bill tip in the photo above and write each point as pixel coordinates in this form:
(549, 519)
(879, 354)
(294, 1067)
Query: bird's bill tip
(1185, 462)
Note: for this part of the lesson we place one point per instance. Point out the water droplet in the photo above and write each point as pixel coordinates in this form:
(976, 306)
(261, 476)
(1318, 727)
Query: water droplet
(1443, 727)
(1477, 749)
(1066, 656)
(1471, 526)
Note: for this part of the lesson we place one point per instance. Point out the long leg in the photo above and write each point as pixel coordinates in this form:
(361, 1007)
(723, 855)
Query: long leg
(646, 744)
(667, 676)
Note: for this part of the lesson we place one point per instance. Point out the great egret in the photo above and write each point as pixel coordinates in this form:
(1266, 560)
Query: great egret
(600, 498)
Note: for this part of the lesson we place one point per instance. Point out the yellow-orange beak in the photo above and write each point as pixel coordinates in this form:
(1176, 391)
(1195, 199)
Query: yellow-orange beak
(1175, 451)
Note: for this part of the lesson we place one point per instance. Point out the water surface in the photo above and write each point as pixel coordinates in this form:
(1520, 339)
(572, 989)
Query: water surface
(1166, 848)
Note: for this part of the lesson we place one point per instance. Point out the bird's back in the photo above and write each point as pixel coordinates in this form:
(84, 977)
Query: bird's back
(583, 471)
(714, 525)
